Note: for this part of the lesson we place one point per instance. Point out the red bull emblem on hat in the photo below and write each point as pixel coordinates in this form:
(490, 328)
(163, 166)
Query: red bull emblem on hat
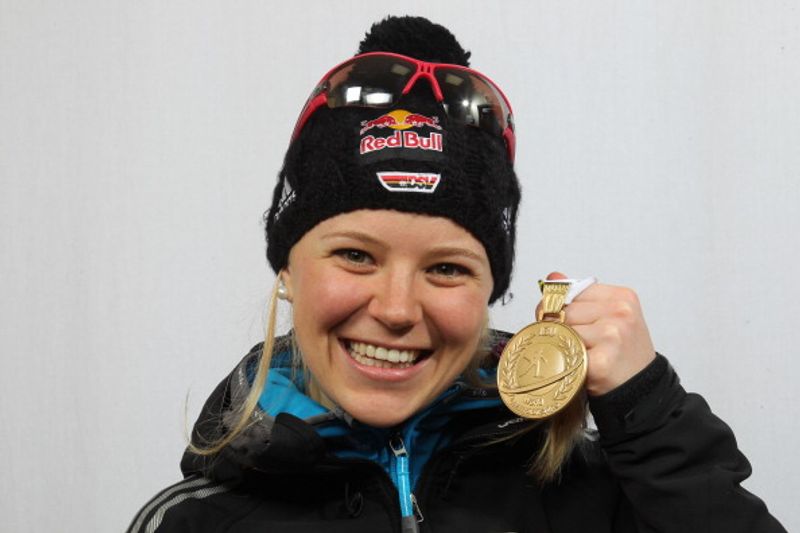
(401, 121)
(409, 181)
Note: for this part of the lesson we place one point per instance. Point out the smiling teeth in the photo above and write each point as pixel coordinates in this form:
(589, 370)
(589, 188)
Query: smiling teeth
(371, 355)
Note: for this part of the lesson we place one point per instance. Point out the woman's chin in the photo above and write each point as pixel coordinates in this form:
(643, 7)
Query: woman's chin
(381, 414)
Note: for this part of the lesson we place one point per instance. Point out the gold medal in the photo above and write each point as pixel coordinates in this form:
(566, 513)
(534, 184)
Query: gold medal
(543, 366)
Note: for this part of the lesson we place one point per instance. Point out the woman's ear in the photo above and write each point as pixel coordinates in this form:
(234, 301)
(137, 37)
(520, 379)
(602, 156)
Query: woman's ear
(285, 285)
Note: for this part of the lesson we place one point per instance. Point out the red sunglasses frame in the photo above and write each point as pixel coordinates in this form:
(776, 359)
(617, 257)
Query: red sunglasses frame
(319, 97)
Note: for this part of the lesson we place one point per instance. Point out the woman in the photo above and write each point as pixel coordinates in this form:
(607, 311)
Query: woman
(392, 228)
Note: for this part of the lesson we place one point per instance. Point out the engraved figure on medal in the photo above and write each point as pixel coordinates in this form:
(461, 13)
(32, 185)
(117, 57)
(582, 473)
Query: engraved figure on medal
(543, 366)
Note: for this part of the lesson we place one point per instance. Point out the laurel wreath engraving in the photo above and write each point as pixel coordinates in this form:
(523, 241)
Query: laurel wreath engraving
(571, 360)
(507, 372)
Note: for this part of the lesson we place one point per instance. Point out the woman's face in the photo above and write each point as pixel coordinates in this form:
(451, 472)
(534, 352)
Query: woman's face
(388, 307)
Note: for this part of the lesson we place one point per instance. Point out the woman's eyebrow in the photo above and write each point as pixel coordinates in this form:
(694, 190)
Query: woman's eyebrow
(356, 235)
(456, 251)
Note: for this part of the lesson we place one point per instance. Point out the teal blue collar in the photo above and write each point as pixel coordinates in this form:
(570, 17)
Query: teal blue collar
(422, 435)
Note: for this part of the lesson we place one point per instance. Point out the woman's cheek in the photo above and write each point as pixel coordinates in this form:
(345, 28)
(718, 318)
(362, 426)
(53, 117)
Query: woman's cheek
(333, 296)
(461, 317)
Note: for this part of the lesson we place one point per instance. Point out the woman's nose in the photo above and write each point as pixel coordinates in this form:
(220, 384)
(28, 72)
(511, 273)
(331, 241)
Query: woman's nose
(396, 303)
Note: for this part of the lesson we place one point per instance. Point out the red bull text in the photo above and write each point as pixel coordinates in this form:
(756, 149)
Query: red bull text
(401, 139)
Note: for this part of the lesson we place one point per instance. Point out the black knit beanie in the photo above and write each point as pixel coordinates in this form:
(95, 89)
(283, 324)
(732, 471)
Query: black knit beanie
(346, 159)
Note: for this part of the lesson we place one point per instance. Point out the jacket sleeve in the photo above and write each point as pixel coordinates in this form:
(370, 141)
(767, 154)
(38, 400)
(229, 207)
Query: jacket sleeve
(677, 463)
(185, 507)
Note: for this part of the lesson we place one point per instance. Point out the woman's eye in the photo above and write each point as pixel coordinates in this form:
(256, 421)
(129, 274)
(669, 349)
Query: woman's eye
(354, 256)
(449, 270)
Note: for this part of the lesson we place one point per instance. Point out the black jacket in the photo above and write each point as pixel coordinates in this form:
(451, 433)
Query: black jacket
(661, 462)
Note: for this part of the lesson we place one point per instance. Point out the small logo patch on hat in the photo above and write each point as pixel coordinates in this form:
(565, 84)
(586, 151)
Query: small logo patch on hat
(409, 181)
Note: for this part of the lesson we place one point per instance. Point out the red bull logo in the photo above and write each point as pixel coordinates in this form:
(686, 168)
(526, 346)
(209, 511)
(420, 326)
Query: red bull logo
(409, 181)
(403, 127)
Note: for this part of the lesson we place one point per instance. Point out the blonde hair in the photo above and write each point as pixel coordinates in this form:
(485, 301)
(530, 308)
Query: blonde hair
(243, 411)
(562, 432)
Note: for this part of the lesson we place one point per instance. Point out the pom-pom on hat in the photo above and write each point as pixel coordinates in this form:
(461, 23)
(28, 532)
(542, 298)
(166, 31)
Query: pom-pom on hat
(410, 157)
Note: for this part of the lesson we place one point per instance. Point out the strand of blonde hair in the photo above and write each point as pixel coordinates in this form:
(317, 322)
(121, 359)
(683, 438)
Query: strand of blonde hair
(246, 408)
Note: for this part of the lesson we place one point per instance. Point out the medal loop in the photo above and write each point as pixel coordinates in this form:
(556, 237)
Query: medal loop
(554, 294)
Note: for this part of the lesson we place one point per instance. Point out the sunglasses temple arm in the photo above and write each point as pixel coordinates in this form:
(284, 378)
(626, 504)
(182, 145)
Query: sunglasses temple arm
(309, 109)
(511, 143)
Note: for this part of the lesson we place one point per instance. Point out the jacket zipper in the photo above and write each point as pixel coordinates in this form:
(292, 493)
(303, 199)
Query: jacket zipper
(462, 448)
(409, 510)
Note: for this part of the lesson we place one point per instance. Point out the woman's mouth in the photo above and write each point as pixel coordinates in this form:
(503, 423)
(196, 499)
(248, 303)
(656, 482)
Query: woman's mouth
(383, 357)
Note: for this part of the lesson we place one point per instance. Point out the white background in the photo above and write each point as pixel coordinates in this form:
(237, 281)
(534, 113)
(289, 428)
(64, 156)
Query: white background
(139, 141)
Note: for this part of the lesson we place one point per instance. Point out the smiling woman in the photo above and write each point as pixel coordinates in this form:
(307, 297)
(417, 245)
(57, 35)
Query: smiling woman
(391, 231)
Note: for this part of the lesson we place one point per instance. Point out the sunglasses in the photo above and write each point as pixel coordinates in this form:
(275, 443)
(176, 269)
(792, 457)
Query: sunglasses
(380, 79)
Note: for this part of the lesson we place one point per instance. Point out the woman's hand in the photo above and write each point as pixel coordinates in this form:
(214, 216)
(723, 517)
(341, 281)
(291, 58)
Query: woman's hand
(610, 322)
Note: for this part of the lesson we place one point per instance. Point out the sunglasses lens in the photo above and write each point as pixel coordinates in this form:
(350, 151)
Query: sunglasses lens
(378, 80)
(472, 100)
(372, 81)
